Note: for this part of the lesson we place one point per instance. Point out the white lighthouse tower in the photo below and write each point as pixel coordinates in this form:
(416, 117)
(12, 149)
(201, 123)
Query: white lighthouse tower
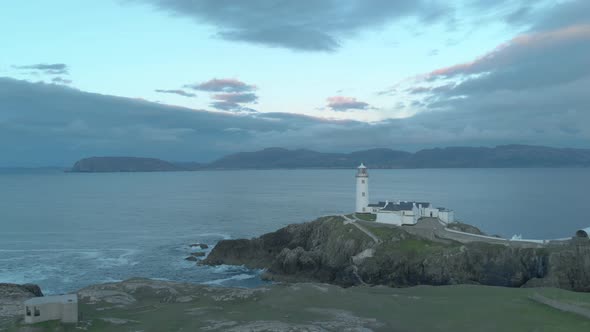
(362, 189)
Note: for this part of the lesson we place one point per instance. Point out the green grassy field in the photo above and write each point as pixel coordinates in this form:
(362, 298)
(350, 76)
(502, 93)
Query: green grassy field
(366, 216)
(309, 307)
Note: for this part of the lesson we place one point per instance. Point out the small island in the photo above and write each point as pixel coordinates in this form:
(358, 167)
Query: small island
(122, 164)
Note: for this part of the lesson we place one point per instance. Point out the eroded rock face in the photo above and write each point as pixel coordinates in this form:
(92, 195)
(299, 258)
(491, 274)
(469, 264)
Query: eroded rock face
(12, 297)
(319, 250)
(327, 250)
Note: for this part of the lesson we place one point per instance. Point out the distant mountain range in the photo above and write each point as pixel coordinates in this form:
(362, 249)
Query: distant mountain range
(504, 156)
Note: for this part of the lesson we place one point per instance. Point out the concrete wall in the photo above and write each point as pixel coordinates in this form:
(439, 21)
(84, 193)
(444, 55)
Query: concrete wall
(67, 312)
(47, 311)
(70, 313)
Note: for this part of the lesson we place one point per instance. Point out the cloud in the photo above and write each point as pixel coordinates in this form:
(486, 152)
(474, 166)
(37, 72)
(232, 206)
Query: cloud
(531, 89)
(58, 125)
(341, 103)
(324, 25)
(233, 94)
(305, 25)
(233, 101)
(49, 69)
(60, 80)
(177, 92)
(236, 97)
(222, 85)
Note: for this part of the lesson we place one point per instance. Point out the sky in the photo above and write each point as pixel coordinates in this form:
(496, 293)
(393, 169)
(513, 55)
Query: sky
(192, 80)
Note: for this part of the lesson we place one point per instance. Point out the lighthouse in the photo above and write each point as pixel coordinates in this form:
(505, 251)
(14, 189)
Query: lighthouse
(362, 189)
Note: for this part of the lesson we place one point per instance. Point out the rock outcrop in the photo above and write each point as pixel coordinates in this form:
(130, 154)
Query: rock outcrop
(12, 297)
(329, 250)
(319, 250)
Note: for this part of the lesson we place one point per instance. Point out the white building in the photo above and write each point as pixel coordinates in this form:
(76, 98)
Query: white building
(362, 190)
(59, 307)
(395, 212)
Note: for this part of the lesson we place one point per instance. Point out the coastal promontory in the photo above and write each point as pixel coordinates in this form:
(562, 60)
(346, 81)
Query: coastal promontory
(332, 250)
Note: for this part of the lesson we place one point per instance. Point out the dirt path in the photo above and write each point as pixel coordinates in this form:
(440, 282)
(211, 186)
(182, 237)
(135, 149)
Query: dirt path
(567, 307)
(361, 228)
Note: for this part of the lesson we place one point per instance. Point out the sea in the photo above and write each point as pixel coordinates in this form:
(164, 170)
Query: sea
(65, 231)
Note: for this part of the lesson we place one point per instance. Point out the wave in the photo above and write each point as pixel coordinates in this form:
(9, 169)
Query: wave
(236, 277)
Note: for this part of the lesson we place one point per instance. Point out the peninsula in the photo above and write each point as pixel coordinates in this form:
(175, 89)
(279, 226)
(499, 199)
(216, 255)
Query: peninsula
(400, 244)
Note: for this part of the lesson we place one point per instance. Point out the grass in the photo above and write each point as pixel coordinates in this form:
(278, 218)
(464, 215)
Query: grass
(422, 308)
(366, 216)
(383, 232)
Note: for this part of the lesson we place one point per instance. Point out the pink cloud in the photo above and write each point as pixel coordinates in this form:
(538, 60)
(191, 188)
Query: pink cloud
(222, 85)
(341, 103)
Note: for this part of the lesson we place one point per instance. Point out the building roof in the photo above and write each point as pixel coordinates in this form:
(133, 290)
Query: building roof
(69, 298)
(362, 166)
(401, 206)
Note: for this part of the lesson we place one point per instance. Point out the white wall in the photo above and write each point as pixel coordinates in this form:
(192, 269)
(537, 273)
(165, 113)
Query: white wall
(362, 194)
(447, 216)
(389, 218)
(397, 218)
(430, 212)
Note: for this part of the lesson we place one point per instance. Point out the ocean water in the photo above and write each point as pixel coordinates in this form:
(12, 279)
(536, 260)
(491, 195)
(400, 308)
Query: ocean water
(65, 231)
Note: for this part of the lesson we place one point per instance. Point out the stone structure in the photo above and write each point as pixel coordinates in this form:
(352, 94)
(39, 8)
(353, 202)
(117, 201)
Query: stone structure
(59, 307)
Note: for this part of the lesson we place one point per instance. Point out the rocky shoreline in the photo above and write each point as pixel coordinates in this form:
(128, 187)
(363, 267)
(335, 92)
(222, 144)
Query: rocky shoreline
(329, 250)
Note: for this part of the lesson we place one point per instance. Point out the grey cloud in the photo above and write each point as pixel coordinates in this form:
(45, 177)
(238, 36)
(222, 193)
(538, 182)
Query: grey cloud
(306, 25)
(323, 25)
(233, 101)
(236, 97)
(177, 92)
(60, 80)
(59, 125)
(562, 14)
(50, 69)
(226, 106)
(533, 89)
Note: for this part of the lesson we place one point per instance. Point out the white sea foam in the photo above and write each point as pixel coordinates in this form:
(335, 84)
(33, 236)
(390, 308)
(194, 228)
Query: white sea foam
(228, 268)
(221, 235)
(236, 277)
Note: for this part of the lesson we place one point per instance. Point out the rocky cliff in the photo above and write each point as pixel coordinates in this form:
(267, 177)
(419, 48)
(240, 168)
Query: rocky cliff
(12, 297)
(329, 250)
